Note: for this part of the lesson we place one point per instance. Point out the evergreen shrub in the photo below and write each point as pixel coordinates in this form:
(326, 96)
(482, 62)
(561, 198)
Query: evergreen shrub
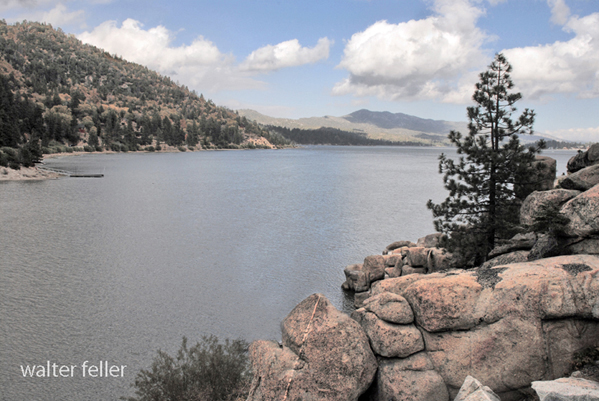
(209, 370)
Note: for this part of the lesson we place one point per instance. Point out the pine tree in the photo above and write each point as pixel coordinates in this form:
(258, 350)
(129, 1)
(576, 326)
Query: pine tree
(482, 205)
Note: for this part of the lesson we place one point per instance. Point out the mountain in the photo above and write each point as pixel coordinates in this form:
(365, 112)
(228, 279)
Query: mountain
(387, 120)
(380, 125)
(386, 126)
(55, 91)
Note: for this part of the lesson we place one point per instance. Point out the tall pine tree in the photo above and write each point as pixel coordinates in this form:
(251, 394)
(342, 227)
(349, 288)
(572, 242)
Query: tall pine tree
(482, 205)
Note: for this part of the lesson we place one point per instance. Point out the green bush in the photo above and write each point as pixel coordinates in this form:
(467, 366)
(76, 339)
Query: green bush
(88, 148)
(209, 370)
(150, 149)
(182, 149)
(3, 159)
(11, 152)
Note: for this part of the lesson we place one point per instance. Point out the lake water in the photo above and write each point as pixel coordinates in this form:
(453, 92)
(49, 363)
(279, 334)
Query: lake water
(189, 244)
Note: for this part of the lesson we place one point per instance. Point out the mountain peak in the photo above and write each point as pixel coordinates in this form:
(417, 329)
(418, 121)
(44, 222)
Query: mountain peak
(388, 120)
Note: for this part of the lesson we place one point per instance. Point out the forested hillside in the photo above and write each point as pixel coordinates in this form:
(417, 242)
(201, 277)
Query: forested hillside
(56, 92)
(334, 136)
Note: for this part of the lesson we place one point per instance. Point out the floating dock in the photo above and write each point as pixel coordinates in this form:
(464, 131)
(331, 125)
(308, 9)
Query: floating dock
(86, 175)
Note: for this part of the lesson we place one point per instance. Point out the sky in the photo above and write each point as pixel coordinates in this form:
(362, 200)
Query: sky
(311, 58)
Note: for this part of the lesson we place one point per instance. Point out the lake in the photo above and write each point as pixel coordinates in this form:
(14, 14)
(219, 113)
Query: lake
(168, 245)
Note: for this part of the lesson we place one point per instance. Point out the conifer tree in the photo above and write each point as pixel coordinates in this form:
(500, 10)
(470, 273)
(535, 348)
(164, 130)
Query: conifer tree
(482, 205)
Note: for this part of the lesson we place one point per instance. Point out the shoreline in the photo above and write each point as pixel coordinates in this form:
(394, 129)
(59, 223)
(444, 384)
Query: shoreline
(26, 174)
(34, 173)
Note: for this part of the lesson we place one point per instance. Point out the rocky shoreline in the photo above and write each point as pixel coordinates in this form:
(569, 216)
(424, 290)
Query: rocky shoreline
(424, 327)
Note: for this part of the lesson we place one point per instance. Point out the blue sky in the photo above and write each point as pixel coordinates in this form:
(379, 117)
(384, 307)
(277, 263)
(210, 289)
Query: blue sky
(332, 57)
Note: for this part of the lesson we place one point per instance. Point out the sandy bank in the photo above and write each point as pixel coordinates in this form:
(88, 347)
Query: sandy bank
(26, 173)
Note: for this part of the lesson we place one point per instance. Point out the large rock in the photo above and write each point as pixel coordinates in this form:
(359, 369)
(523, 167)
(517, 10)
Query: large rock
(583, 212)
(588, 246)
(584, 159)
(399, 284)
(390, 307)
(431, 240)
(356, 279)
(593, 154)
(438, 260)
(388, 339)
(333, 357)
(393, 260)
(538, 201)
(517, 243)
(416, 256)
(582, 180)
(546, 246)
(541, 177)
(274, 368)
(473, 390)
(412, 379)
(507, 258)
(445, 302)
(505, 355)
(567, 389)
(374, 266)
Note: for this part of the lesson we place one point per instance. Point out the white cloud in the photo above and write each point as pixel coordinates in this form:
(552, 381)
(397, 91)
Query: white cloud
(561, 67)
(560, 12)
(432, 58)
(577, 134)
(286, 54)
(200, 64)
(439, 57)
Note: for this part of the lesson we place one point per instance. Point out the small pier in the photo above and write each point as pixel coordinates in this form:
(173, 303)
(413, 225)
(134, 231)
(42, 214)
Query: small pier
(86, 175)
(67, 173)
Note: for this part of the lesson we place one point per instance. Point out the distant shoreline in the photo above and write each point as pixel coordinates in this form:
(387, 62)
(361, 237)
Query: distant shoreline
(33, 173)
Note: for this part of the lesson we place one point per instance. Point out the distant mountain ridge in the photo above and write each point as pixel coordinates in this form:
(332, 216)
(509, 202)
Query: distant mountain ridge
(388, 120)
(383, 125)
(374, 124)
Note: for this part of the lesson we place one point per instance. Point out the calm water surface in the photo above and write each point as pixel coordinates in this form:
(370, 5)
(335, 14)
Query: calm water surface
(189, 244)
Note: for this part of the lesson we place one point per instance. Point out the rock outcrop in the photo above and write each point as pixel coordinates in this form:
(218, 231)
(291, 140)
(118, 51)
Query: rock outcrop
(473, 390)
(583, 213)
(539, 200)
(582, 180)
(325, 355)
(584, 159)
(400, 258)
(509, 325)
(429, 327)
(567, 389)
